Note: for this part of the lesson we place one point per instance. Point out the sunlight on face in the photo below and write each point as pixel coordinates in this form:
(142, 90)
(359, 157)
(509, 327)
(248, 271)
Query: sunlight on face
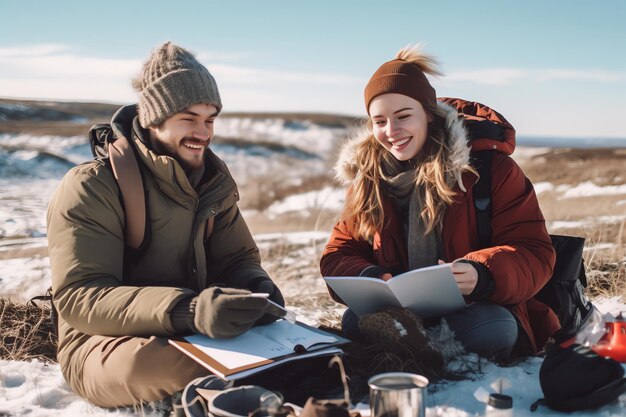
(186, 135)
(399, 124)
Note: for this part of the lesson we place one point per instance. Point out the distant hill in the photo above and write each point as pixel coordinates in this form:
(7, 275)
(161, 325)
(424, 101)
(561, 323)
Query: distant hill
(73, 118)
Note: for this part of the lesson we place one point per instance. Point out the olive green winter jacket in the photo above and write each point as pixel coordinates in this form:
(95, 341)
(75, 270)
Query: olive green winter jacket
(97, 292)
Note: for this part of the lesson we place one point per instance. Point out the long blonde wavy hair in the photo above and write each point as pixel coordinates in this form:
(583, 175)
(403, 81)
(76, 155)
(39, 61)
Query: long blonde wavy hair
(363, 211)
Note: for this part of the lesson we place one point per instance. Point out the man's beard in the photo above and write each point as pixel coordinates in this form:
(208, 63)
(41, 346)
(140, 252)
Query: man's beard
(187, 166)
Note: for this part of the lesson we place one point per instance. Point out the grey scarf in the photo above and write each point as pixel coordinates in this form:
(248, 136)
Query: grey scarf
(399, 181)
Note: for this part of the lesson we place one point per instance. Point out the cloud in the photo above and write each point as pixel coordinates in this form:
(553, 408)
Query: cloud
(32, 50)
(57, 62)
(508, 76)
(494, 76)
(249, 75)
(580, 75)
(220, 56)
(55, 71)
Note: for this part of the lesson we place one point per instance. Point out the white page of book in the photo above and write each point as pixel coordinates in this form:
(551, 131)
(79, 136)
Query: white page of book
(321, 352)
(430, 291)
(291, 335)
(258, 344)
(364, 295)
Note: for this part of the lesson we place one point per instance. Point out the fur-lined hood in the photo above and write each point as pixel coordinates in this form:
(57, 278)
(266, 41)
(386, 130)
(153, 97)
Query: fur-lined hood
(346, 168)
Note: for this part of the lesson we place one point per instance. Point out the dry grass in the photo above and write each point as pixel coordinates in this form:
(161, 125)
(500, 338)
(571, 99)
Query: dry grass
(26, 332)
(573, 166)
(267, 189)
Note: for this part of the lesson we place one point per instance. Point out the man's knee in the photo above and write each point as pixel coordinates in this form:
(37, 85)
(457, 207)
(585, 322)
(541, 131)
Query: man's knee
(156, 363)
(136, 370)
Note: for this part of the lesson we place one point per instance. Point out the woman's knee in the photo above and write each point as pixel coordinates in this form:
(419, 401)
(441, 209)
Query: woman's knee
(486, 329)
(350, 326)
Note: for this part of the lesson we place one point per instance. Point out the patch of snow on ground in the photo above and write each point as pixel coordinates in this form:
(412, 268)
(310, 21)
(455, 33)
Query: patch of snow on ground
(561, 224)
(23, 205)
(586, 222)
(327, 198)
(301, 238)
(588, 189)
(302, 134)
(36, 389)
(543, 186)
(24, 278)
(525, 152)
(601, 246)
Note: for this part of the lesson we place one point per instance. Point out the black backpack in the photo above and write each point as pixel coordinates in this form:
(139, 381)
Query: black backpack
(576, 378)
(565, 292)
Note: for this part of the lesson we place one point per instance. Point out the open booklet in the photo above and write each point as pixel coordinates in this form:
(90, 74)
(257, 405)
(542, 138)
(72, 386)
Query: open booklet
(259, 349)
(427, 292)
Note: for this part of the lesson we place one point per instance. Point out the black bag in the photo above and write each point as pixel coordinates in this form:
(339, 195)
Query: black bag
(576, 378)
(564, 293)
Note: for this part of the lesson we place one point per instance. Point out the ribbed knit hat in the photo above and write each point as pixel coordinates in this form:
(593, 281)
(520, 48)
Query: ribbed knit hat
(170, 81)
(402, 77)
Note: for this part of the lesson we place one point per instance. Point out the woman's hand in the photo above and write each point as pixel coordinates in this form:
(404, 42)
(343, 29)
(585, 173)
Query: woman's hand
(465, 275)
(386, 276)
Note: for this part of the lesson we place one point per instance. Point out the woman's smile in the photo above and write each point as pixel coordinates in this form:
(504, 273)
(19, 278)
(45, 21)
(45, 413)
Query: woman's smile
(400, 144)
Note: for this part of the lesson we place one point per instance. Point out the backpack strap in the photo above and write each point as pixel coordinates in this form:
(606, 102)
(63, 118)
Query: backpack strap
(482, 196)
(126, 171)
(120, 155)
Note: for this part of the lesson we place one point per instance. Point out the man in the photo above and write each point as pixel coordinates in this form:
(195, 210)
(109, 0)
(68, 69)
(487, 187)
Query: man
(117, 308)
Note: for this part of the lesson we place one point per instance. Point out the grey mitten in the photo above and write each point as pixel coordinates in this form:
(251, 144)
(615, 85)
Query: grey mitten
(227, 312)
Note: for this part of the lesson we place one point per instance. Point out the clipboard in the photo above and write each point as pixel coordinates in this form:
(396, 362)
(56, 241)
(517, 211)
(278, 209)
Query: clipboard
(259, 349)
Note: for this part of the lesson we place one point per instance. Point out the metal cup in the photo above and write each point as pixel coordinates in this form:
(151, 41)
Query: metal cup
(398, 394)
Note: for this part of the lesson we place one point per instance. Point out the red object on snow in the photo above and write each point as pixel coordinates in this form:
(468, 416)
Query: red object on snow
(613, 344)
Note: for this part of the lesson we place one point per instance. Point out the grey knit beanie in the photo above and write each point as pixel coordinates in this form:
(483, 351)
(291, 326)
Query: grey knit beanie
(170, 81)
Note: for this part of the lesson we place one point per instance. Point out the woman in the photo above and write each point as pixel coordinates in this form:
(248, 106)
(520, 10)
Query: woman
(410, 204)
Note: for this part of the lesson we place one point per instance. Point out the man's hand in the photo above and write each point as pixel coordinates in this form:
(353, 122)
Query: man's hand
(268, 287)
(465, 275)
(227, 312)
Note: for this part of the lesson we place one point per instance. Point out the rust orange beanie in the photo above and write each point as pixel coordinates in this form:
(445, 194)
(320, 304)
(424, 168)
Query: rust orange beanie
(402, 77)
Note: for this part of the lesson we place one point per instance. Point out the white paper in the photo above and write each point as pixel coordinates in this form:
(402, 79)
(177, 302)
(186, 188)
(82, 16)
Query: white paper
(430, 291)
(259, 343)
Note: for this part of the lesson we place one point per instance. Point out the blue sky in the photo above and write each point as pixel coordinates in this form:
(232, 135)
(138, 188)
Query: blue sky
(554, 68)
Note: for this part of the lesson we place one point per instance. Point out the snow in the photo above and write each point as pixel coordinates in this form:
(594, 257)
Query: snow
(584, 189)
(302, 134)
(588, 189)
(585, 222)
(23, 206)
(543, 186)
(24, 278)
(327, 198)
(36, 389)
(302, 238)
(39, 390)
(601, 246)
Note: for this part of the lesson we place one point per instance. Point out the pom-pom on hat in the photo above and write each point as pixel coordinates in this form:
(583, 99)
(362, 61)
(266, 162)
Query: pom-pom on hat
(170, 81)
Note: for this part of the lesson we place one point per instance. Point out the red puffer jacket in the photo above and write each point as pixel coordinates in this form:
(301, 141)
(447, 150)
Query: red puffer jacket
(521, 258)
